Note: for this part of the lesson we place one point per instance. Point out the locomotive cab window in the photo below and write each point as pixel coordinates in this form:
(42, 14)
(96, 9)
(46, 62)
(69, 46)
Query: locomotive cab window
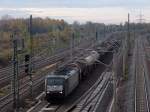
(55, 81)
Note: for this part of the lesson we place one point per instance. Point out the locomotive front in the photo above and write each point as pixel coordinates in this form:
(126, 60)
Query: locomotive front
(55, 86)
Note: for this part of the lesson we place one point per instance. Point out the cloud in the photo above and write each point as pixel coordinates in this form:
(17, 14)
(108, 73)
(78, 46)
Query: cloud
(103, 15)
(74, 3)
(71, 14)
(108, 11)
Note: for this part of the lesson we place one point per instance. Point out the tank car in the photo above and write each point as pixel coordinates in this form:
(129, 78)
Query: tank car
(90, 60)
(88, 63)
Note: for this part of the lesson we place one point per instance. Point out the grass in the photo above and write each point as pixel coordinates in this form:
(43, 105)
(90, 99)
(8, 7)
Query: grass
(4, 91)
(126, 73)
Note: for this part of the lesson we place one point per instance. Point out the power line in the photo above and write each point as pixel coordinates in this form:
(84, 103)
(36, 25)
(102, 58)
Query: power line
(141, 19)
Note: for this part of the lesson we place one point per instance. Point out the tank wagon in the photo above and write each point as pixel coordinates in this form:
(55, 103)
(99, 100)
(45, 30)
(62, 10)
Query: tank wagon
(64, 80)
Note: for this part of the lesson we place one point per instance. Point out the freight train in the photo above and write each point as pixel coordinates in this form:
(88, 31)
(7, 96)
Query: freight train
(64, 80)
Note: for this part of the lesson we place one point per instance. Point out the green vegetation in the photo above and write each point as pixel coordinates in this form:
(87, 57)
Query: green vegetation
(43, 32)
(47, 34)
(126, 73)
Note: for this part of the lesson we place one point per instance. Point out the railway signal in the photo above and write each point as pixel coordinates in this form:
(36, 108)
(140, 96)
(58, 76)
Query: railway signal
(27, 59)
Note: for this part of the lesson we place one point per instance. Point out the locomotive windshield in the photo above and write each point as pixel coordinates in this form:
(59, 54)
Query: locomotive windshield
(55, 81)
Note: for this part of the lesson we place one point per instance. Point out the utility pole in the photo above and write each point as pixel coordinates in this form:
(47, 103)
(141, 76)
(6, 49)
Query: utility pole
(114, 82)
(126, 46)
(31, 57)
(73, 40)
(71, 46)
(104, 30)
(58, 39)
(134, 32)
(15, 83)
(96, 35)
(124, 57)
(128, 38)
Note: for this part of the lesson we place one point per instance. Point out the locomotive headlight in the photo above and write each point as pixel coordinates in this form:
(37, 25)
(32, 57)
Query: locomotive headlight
(60, 92)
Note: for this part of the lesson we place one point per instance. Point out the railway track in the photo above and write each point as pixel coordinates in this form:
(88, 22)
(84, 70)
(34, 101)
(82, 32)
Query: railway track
(89, 101)
(97, 91)
(24, 90)
(141, 92)
(8, 70)
(93, 99)
(6, 80)
(6, 74)
(38, 80)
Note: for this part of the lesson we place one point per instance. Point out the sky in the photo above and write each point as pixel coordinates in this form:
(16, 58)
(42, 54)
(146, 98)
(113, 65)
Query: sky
(102, 11)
